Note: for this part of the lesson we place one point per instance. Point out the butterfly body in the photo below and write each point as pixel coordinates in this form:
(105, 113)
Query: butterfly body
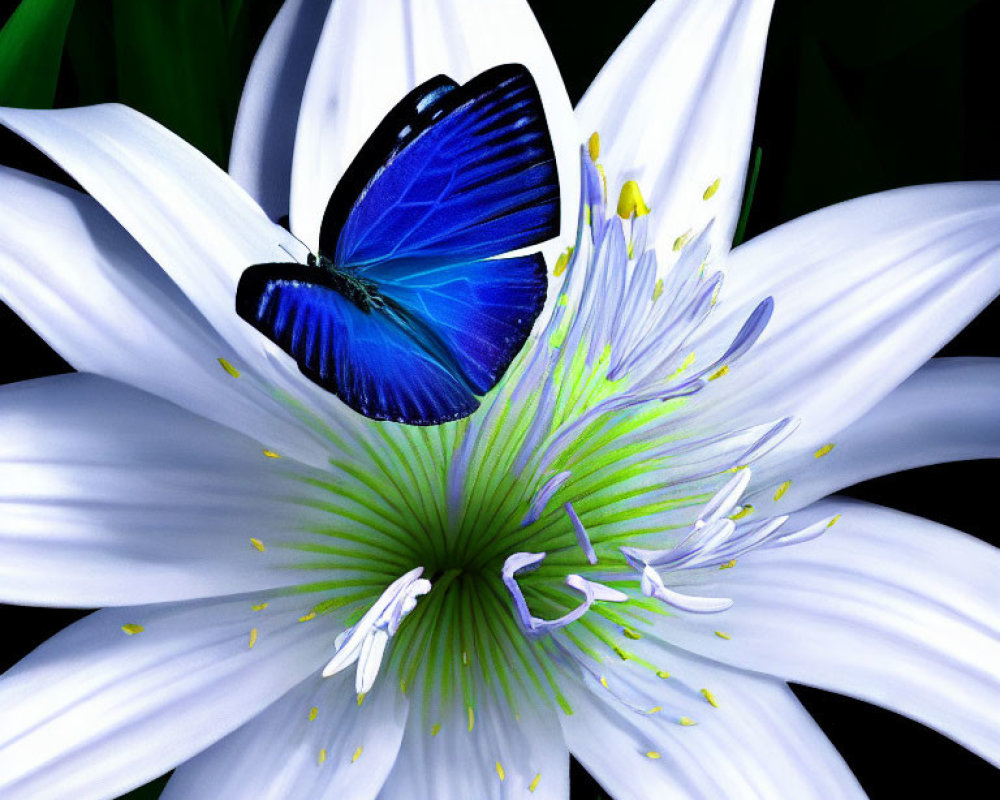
(406, 313)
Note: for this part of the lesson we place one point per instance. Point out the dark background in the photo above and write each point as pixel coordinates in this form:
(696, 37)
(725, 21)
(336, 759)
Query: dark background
(857, 96)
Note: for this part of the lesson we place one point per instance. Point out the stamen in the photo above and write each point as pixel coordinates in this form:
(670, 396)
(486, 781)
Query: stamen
(630, 201)
(581, 533)
(365, 642)
(594, 146)
(652, 586)
(543, 496)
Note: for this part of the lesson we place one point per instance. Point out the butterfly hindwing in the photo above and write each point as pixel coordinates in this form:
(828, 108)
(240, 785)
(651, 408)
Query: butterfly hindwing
(381, 363)
(484, 311)
(473, 175)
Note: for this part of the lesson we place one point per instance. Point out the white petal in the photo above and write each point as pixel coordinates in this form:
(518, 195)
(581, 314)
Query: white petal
(95, 711)
(948, 410)
(441, 759)
(82, 283)
(191, 217)
(759, 742)
(893, 609)
(261, 156)
(277, 755)
(371, 55)
(674, 107)
(111, 496)
(864, 293)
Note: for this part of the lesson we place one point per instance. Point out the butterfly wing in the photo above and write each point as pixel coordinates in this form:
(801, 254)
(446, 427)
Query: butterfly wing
(456, 174)
(383, 363)
(483, 311)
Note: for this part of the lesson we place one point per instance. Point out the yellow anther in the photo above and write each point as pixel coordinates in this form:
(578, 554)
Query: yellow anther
(652, 754)
(562, 262)
(720, 372)
(357, 754)
(655, 710)
(824, 450)
(271, 454)
(361, 698)
(728, 565)
(594, 146)
(307, 617)
(662, 673)
(500, 773)
(631, 634)
(711, 190)
(687, 722)
(253, 638)
(710, 697)
(620, 653)
(313, 713)
(630, 201)
(682, 240)
(258, 607)
(658, 289)
(435, 729)
(257, 543)
(534, 783)
(229, 368)
(833, 521)
(322, 756)
(780, 491)
(472, 717)
(723, 635)
(132, 628)
(604, 682)
(745, 511)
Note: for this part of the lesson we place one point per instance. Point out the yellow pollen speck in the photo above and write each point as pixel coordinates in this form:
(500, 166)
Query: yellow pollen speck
(620, 653)
(361, 698)
(711, 190)
(258, 607)
(652, 754)
(257, 543)
(631, 634)
(655, 710)
(710, 697)
(604, 682)
(723, 370)
(271, 454)
(662, 673)
(780, 491)
(500, 772)
(357, 754)
(723, 635)
(658, 289)
(465, 657)
(132, 628)
(253, 638)
(472, 717)
(313, 713)
(229, 368)
(682, 240)
(824, 450)
(307, 617)
(594, 146)
(436, 729)
(833, 521)
(322, 756)
(534, 783)
(402, 686)
(729, 564)
(687, 722)
(746, 511)
(630, 201)
(604, 180)
(562, 262)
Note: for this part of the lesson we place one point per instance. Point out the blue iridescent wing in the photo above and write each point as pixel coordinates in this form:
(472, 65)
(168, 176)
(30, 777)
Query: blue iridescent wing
(383, 363)
(456, 174)
(483, 311)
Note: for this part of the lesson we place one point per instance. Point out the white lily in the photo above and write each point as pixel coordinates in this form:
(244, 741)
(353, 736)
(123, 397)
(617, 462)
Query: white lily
(234, 521)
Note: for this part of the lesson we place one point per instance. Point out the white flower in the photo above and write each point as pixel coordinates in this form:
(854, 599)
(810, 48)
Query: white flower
(602, 573)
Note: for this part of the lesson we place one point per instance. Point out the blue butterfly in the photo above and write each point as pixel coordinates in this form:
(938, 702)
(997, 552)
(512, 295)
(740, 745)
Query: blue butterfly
(405, 314)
